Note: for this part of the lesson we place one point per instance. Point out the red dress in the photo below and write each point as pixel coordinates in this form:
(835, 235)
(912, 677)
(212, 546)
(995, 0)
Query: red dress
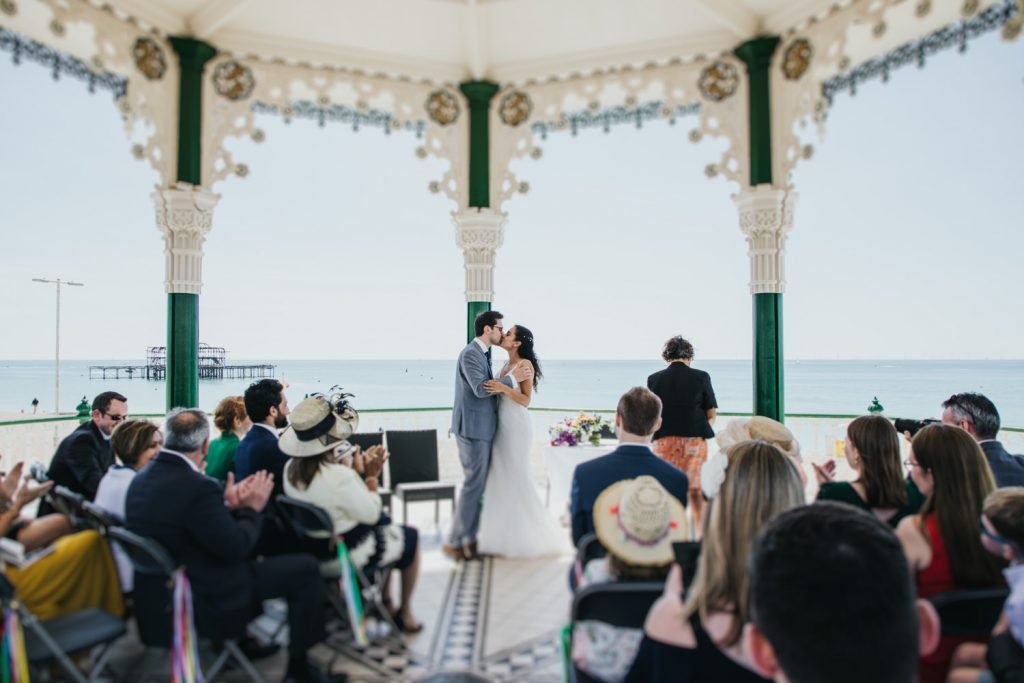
(936, 578)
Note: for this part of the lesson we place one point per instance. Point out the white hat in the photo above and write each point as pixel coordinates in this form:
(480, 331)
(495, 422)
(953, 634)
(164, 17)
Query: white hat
(316, 428)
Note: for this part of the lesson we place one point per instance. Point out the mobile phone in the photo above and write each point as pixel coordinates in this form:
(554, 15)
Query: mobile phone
(686, 554)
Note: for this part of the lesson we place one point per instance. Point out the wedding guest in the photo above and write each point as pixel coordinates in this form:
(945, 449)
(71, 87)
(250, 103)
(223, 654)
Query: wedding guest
(1002, 659)
(831, 599)
(978, 416)
(230, 418)
(637, 417)
(314, 475)
(688, 411)
(84, 456)
(699, 639)
(872, 449)
(637, 521)
(78, 573)
(941, 542)
(742, 429)
(135, 443)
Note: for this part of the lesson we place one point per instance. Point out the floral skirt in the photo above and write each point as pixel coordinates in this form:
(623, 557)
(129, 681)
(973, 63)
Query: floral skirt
(687, 453)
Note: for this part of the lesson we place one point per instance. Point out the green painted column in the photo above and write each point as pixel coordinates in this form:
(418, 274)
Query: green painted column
(767, 307)
(479, 94)
(183, 308)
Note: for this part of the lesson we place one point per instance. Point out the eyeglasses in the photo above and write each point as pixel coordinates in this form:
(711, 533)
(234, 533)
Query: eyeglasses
(910, 464)
(115, 417)
(995, 538)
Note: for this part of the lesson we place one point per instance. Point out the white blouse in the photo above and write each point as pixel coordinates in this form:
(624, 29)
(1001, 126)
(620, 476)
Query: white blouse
(341, 492)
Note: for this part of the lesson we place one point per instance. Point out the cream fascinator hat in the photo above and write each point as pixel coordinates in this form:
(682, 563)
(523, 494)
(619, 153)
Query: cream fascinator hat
(637, 520)
(318, 424)
(712, 472)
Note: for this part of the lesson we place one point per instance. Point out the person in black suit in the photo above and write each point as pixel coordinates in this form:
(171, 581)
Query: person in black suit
(637, 417)
(213, 533)
(688, 411)
(977, 415)
(84, 455)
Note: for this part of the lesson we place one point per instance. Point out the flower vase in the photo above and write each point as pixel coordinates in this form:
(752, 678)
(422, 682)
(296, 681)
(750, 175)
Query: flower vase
(595, 439)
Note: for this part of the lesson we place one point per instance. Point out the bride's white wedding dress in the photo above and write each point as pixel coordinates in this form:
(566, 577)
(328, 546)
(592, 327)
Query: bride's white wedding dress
(514, 521)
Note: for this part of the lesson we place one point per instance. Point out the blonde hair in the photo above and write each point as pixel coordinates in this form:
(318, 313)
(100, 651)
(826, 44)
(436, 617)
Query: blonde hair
(760, 483)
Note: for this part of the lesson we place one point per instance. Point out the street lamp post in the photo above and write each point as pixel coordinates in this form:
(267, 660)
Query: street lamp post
(58, 282)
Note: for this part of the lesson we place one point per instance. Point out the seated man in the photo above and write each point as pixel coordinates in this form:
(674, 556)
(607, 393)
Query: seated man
(84, 455)
(977, 415)
(831, 599)
(637, 417)
(213, 534)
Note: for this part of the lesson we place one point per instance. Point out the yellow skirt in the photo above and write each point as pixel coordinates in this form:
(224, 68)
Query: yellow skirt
(79, 573)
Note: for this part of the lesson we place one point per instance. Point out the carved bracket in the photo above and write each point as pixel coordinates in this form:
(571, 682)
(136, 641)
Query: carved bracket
(479, 233)
(766, 218)
(184, 214)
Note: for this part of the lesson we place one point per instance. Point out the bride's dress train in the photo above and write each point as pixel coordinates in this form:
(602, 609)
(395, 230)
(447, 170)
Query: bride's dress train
(514, 521)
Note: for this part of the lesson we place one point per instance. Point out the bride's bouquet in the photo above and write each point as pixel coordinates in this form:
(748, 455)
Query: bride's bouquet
(573, 431)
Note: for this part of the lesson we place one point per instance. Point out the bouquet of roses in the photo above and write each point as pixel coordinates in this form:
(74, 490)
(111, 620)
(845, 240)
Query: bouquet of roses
(575, 430)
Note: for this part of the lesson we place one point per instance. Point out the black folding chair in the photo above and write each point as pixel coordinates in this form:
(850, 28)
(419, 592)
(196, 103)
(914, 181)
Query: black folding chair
(151, 559)
(589, 548)
(64, 501)
(608, 432)
(59, 639)
(414, 471)
(95, 517)
(969, 612)
(365, 440)
(313, 524)
(617, 604)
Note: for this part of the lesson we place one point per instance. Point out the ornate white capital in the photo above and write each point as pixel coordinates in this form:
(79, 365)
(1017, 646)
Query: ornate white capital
(766, 217)
(479, 233)
(184, 214)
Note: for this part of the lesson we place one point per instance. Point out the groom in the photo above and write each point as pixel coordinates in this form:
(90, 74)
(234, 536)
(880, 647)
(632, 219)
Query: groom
(474, 419)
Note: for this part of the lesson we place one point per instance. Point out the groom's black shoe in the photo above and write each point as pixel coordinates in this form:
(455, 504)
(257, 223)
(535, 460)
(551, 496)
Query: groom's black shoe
(470, 552)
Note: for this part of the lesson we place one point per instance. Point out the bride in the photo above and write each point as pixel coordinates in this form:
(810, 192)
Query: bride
(514, 521)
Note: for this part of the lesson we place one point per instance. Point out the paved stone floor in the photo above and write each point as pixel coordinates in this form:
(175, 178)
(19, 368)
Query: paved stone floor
(495, 619)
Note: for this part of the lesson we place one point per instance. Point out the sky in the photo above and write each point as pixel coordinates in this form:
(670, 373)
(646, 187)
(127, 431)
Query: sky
(906, 242)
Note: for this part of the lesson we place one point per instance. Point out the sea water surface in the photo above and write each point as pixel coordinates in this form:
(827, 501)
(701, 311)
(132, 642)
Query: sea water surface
(906, 388)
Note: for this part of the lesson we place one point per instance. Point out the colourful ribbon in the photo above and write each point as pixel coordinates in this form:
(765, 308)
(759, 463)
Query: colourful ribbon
(350, 590)
(185, 666)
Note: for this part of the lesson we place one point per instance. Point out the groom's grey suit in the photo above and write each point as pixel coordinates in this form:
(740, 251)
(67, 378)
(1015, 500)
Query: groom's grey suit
(474, 420)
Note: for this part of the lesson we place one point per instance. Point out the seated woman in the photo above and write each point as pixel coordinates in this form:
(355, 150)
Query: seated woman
(78, 573)
(233, 422)
(638, 550)
(941, 542)
(134, 443)
(699, 640)
(314, 475)
(872, 448)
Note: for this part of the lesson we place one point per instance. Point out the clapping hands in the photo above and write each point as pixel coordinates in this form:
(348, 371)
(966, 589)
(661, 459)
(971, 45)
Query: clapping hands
(370, 463)
(825, 472)
(253, 492)
(19, 491)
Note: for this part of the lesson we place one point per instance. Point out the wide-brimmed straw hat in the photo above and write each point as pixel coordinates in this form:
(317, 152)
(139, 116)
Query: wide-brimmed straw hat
(315, 428)
(637, 520)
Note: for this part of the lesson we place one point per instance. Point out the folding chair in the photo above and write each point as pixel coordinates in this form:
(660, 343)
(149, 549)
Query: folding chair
(969, 612)
(617, 604)
(64, 501)
(589, 548)
(95, 517)
(313, 524)
(59, 639)
(414, 472)
(150, 558)
(364, 440)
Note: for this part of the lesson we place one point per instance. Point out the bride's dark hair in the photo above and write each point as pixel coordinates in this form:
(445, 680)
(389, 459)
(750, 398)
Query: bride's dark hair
(525, 339)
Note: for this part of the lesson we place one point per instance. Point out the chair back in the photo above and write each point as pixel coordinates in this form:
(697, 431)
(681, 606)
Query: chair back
(589, 548)
(969, 612)
(608, 431)
(154, 570)
(366, 439)
(98, 518)
(618, 604)
(412, 457)
(65, 501)
(310, 523)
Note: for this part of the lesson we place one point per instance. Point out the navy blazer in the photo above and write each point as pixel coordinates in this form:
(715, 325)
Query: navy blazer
(1007, 469)
(183, 510)
(259, 450)
(81, 460)
(625, 462)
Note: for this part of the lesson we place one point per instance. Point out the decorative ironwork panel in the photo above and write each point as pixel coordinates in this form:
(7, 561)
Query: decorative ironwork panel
(443, 107)
(797, 59)
(718, 81)
(338, 113)
(233, 80)
(612, 116)
(515, 108)
(149, 58)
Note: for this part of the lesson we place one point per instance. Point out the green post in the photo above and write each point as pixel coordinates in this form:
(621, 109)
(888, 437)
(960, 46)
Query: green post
(183, 308)
(768, 361)
(479, 94)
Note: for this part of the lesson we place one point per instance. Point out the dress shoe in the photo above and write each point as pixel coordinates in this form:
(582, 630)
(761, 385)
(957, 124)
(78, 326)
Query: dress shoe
(453, 551)
(469, 551)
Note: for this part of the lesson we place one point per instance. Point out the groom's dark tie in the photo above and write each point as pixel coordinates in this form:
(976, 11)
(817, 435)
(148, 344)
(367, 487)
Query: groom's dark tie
(490, 372)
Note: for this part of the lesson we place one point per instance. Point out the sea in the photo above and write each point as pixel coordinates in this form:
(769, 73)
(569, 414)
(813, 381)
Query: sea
(905, 388)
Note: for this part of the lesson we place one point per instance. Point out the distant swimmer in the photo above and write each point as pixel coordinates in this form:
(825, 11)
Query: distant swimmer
(35, 405)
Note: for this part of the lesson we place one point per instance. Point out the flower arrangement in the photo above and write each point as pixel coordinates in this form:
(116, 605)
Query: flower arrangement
(573, 431)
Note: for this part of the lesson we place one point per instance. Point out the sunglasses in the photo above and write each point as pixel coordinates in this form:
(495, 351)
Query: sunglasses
(115, 417)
